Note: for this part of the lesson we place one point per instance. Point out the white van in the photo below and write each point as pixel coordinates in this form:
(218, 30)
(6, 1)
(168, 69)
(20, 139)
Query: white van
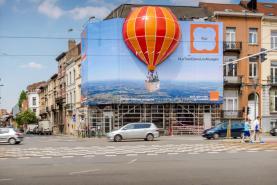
(45, 127)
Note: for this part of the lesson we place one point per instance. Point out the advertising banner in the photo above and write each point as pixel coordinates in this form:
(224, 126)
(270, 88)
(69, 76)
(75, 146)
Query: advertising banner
(125, 61)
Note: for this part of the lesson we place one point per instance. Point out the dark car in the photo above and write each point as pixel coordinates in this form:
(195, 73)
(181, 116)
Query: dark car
(273, 131)
(220, 130)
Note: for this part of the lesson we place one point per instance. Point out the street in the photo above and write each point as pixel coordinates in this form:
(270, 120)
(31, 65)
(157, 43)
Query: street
(43, 160)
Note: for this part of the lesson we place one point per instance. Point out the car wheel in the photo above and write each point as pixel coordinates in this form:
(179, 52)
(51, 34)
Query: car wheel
(149, 137)
(12, 141)
(18, 142)
(216, 136)
(117, 138)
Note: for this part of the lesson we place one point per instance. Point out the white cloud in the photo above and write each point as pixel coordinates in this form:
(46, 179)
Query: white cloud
(86, 12)
(196, 2)
(32, 65)
(52, 10)
(2, 2)
(49, 8)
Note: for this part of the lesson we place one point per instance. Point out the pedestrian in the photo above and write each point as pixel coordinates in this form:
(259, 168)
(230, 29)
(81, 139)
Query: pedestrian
(258, 130)
(246, 131)
(252, 131)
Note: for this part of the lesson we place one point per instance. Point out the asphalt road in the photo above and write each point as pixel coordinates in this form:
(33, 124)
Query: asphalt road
(171, 160)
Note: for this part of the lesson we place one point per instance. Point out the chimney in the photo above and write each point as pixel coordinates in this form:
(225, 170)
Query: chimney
(71, 44)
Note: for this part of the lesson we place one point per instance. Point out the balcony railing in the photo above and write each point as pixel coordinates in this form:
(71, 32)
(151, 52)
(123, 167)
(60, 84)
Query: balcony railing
(232, 114)
(232, 46)
(273, 80)
(69, 107)
(232, 79)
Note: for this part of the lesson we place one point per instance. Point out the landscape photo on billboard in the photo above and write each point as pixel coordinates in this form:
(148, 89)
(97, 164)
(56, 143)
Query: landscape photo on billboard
(111, 73)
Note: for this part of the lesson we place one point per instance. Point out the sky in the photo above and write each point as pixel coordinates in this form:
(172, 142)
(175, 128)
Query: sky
(24, 60)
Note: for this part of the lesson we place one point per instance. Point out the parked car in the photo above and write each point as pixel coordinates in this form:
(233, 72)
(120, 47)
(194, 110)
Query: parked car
(146, 131)
(31, 128)
(220, 130)
(273, 131)
(10, 135)
(44, 127)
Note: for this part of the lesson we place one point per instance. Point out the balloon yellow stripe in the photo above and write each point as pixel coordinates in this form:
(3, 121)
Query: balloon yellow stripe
(169, 35)
(150, 33)
(131, 33)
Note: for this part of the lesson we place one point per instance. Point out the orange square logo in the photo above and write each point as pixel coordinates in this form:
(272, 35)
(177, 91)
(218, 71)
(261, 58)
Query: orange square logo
(214, 95)
(204, 38)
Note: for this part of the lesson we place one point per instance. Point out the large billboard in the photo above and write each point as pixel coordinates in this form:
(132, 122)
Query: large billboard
(152, 59)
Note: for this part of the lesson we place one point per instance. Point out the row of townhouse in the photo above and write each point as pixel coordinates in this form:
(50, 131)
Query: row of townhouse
(250, 86)
(60, 97)
(248, 27)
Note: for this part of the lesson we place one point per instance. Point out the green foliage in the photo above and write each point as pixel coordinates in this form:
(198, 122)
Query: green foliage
(22, 97)
(26, 117)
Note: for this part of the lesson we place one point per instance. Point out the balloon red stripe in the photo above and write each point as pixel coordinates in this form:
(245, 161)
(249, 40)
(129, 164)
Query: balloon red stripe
(174, 43)
(140, 32)
(161, 25)
(127, 41)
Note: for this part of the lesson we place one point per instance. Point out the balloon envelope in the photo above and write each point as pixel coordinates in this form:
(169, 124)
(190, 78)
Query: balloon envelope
(152, 34)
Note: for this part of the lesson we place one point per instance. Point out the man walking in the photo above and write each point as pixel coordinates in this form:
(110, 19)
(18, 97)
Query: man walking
(258, 130)
(246, 132)
(252, 131)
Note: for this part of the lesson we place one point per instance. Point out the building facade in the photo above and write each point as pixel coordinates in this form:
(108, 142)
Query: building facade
(242, 80)
(72, 72)
(269, 66)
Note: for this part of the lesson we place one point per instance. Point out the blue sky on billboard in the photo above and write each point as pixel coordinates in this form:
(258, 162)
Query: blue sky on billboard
(34, 59)
(107, 74)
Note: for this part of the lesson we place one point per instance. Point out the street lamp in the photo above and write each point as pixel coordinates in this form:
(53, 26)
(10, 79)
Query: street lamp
(1, 85)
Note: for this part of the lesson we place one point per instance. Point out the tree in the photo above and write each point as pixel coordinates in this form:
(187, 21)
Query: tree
(26, 117)
(22, 97)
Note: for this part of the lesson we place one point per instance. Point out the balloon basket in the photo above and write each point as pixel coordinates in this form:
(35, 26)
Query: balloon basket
(152, 83)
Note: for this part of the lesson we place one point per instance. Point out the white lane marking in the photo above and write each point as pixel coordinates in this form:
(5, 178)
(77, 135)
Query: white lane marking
(132, 161)
(193, 153)
(22, 158)
(269, 150)
(110, 155)
(252, 151)
(67, 156)
(172, 153)
(45, 157)
(213, 152)
(88, 156)
(132, 155)
(3, 158)
(152, 154)
(5, 180)
(86, 171)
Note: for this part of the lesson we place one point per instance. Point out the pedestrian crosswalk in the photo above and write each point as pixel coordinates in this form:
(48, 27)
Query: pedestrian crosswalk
(132, 150)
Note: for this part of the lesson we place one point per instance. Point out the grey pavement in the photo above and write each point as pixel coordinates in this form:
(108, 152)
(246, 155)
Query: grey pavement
(188, 160)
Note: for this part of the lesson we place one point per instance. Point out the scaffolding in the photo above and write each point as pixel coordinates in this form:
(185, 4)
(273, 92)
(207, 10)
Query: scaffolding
(176, 119)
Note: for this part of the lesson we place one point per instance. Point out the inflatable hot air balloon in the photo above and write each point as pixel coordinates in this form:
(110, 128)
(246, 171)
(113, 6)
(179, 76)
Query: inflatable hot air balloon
(152, 34)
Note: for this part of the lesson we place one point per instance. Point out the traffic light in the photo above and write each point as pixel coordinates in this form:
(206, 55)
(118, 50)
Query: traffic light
(263, 55)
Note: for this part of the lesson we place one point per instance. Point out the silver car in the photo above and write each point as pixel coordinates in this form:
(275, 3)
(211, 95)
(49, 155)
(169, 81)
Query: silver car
(146, 131)
(9, 135)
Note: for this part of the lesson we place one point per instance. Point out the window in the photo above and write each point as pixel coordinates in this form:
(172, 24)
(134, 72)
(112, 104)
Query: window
(74, 97)
(34, 101)
(230, 102)
(274, 40)
(131, 126)
(253, 69)
(230, 69)
(74, 75)
(273, 101)
(253, 36)
(70, 97)
(230, 37)
(70, 77)
(34, 110)
(273, 72)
